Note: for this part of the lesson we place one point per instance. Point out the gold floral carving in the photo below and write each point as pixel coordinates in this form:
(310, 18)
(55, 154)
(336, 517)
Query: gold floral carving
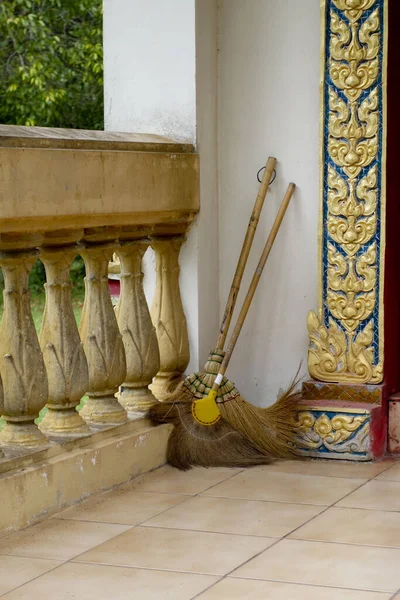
(342, 433)
(341, 344)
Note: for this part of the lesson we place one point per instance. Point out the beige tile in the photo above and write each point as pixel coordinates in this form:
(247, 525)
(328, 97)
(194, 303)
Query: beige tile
(175, 550)
(353, 526)
(329, 468)
(94, 582)
(122, 506)
(228, 515)
(392, 474)
(16, 570)
(378, 495)
(285, 487)
(170, 480)
(58, 539)
(319, 563)
(243, 589)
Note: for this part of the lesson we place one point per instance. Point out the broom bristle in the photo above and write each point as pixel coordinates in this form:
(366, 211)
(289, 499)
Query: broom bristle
(245, 436)
(270, 430)
(192, 444)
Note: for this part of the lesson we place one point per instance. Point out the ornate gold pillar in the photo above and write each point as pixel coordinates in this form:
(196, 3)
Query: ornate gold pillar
(102, 341)
(346, 352)
(22, 368)
(168, 316)
(63, 354)
(138, 333)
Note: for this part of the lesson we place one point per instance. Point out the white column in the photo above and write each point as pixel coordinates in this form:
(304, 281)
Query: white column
(161, 78)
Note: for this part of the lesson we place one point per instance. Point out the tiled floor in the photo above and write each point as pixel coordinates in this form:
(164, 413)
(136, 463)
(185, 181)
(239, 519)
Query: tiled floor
(289, 531)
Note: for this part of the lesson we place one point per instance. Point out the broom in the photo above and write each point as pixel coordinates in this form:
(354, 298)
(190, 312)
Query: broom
(200, 437)
(207, 379)
(187, 444)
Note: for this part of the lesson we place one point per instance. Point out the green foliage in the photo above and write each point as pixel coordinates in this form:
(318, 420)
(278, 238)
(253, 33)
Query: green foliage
(51, 63)
(77, 273)
(37, 276)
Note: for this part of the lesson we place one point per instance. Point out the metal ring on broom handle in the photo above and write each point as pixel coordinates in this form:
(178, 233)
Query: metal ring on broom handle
(244, 254)
(253, 285)
(205, 411)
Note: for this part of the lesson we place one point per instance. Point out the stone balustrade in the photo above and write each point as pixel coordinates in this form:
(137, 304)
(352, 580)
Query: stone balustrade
(65, 193)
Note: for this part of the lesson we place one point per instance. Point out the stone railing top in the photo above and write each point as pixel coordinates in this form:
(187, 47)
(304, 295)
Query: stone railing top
(18, 136)
(57, 179)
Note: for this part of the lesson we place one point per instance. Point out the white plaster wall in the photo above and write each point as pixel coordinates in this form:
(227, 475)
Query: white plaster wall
(149, 63)
(160, 78)
(269, 55)
(207, 145)
(241, 78)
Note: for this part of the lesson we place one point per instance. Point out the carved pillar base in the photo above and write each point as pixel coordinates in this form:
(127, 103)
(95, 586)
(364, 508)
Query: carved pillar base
(163, 383)
(63, 423)
(341, 421)
(137, 401)
(23, 434)
(103, 411)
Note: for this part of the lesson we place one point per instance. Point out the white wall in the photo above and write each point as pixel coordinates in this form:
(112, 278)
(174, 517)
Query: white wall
(172, 67)
(207, 145)
(269, 57)
(160, 78)
(149, 63)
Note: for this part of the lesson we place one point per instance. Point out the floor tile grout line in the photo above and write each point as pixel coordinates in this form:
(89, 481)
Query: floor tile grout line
(199, 495)
(287, 535)
(72, 562)
(275, 471)
(316, 585)
(294, 530)
(129, 529)
(276, 501)
(394, 464)
(215, 484)
(366, 509)
(131, 525)
(210, 587)
(33, 557)
(37, 577)
(142, 568)
(252, 535)
(221, 577)
(333, 505)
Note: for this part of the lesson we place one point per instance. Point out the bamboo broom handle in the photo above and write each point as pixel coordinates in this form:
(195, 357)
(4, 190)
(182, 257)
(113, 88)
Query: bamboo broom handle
(244, 254)
(254, 284)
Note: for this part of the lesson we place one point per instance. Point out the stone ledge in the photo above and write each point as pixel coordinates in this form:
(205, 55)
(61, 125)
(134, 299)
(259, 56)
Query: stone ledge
(43, 483)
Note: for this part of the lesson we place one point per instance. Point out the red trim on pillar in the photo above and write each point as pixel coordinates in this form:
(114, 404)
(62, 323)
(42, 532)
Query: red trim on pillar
(392, 255)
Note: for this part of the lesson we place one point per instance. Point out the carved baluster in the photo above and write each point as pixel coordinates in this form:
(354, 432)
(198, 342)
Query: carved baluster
(168, 316)
(21, 363)
(102, 342)
(138, 333)
(63, 354)
(1, 409)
